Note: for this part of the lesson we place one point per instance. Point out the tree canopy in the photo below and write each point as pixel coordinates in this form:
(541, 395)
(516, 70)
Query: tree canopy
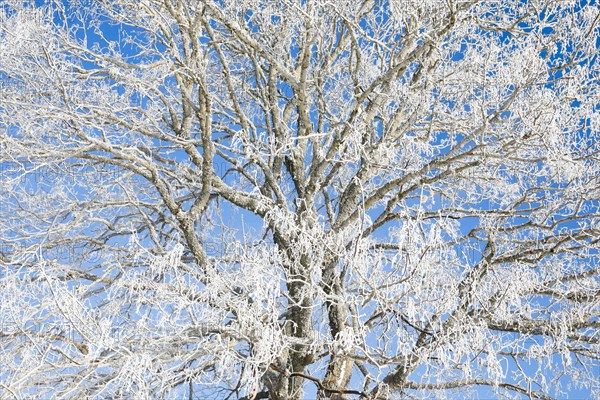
(250, 199)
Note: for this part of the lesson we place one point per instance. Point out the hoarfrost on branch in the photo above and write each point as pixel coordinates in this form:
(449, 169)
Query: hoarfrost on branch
(345, 199)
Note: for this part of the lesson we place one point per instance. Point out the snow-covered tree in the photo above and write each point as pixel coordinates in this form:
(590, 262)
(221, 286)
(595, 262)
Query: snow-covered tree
(287, 199)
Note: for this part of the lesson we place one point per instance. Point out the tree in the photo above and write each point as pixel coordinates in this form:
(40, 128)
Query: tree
(252, 198)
